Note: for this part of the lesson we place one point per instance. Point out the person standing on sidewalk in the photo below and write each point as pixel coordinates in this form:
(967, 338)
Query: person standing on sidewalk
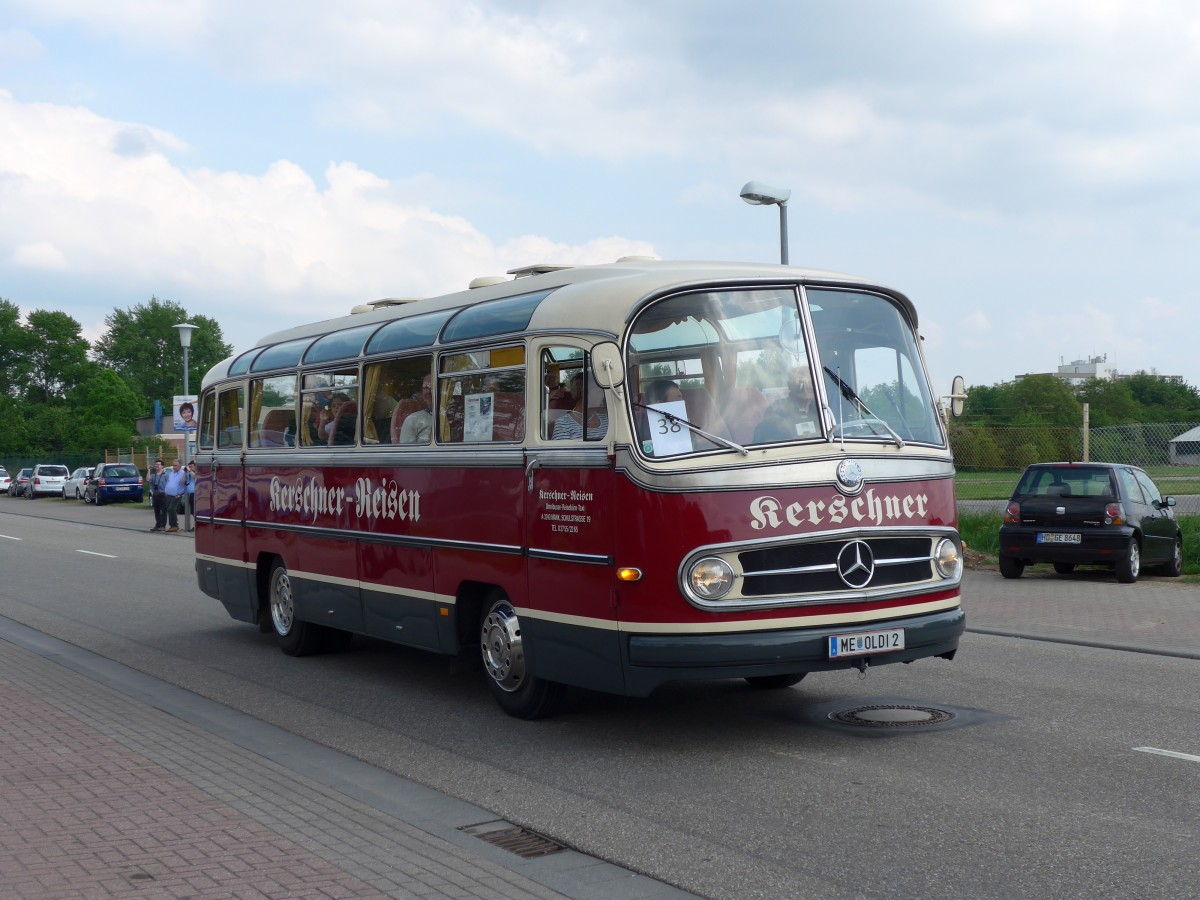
(174, 486)
(158, 497)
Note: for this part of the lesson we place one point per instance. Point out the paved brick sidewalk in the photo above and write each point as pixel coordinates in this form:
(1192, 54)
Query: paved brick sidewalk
(102, 795)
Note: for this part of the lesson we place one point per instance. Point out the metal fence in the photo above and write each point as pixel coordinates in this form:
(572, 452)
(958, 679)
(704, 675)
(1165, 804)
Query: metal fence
(990, 459)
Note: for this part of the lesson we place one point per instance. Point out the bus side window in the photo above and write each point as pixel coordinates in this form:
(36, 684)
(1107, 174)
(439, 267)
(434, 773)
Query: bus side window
(229, 418)
(481, 396)
(324, 397)
(395, 392)
(558, 366)
(208, 421)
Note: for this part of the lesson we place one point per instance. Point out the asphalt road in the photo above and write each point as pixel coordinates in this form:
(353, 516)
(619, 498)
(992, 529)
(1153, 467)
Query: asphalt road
(1045, 782)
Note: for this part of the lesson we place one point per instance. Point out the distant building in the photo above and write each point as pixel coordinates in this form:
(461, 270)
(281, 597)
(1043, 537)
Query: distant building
(1184, 449)
(1081, 371)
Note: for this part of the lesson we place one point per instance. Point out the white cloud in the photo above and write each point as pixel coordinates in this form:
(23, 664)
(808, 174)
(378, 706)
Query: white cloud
(99, 200)
(40, 255)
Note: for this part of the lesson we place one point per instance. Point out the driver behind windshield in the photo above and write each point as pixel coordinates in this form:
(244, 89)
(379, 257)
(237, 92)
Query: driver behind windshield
(792, 416)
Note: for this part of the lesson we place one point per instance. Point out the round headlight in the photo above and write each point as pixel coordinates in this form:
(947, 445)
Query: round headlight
(948, 558)
(710, 578)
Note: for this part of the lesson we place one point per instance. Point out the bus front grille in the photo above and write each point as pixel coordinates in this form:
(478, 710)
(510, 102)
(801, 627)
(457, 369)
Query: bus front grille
(836, 566)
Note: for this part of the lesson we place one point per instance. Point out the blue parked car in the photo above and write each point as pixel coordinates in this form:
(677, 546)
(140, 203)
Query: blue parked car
(112, 483)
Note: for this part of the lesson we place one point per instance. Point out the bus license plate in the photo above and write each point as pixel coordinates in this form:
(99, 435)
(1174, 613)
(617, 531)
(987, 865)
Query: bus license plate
(864, 642)
(1054, 537)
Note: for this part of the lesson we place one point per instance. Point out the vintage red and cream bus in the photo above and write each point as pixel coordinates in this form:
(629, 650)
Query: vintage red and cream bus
(610, 476)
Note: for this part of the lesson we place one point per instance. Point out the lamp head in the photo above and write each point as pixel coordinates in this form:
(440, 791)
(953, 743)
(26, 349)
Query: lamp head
(758, 194)
(185, 334)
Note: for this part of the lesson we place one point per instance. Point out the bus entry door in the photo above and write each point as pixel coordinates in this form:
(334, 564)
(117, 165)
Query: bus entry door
(571, 623)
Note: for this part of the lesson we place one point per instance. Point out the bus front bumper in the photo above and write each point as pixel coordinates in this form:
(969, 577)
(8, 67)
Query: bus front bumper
(652, 660)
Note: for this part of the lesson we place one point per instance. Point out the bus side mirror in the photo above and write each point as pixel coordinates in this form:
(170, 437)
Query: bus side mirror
(607, 367)
(958, 396)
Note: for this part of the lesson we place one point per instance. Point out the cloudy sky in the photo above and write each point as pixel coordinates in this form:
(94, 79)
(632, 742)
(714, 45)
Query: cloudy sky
(1028, 171)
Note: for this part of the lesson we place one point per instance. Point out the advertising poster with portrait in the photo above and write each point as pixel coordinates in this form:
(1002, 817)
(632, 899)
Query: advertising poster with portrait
(185, 413)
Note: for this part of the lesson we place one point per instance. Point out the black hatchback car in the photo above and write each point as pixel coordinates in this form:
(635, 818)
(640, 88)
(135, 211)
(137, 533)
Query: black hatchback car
(1079, 514)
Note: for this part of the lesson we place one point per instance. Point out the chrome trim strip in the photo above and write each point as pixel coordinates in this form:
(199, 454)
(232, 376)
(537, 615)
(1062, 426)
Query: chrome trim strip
(563, 556)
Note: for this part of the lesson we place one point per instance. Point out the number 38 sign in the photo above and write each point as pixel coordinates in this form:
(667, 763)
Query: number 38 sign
(669, 436)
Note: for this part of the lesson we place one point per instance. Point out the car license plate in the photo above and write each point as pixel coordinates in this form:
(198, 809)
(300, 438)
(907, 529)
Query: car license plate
(1056, 537)
(863, 642)
(124, 487)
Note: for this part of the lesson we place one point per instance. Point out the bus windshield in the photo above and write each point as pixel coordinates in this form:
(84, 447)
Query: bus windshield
(742, 368)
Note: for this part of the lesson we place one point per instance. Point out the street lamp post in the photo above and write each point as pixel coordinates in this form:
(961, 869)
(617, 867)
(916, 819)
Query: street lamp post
(758, 194)
(185, 340)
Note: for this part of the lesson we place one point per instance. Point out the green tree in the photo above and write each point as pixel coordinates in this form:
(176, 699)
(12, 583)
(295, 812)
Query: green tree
(1040, 400)
(57, 355)
(142, 346)
(1110, 402)
(14, 436)
(1162, 400)
(16, 343)
(105, 410)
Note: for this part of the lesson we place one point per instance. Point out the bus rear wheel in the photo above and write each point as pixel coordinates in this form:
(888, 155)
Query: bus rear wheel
(295, 638)
(502, 646)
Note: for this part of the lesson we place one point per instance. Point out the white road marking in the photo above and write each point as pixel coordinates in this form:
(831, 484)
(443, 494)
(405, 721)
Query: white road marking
(93, 553)
(9, 537)
(1188, 756)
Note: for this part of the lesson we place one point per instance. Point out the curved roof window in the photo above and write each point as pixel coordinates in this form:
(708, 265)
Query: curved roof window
(408, 334)
(280, 356)
(494, 317)
(345, 344)
(241, 365)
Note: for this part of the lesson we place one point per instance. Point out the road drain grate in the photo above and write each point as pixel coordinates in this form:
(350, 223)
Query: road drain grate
(892, 716)
(515, 839)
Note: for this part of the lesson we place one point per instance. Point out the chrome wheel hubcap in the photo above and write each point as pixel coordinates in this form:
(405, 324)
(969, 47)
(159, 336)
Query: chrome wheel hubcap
(500, 643)
(282, 609)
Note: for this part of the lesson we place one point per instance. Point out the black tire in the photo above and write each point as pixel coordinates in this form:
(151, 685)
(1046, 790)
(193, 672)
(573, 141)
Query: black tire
(501, 645)
(1011, 567)
(295, 637)
(1130, 564)
(98, 500)
(1064, 568)
(774, 682)
(1173, 567)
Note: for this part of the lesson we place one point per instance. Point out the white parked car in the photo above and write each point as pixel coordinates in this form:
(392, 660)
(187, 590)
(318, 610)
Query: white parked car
(46, 479)
(73, 487)
(5, 480)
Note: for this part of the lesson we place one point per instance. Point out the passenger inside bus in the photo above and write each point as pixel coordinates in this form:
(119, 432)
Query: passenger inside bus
(345, 420)
(571, 427)
(412, 422)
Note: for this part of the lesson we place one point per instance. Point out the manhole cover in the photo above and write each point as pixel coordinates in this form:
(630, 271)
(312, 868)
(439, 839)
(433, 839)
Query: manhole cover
(892, 716)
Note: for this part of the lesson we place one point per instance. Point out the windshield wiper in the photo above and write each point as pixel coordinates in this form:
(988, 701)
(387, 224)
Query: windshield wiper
(848, 393)
(715, 438)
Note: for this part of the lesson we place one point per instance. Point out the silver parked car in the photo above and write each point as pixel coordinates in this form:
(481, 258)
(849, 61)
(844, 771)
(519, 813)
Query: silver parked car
(46, 479)
(73, 487)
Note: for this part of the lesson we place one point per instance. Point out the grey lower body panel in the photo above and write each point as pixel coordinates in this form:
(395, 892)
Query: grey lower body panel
(652, 660)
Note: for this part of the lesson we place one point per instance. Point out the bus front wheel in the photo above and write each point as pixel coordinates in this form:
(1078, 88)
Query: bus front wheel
(295, 638)
(503, 649)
